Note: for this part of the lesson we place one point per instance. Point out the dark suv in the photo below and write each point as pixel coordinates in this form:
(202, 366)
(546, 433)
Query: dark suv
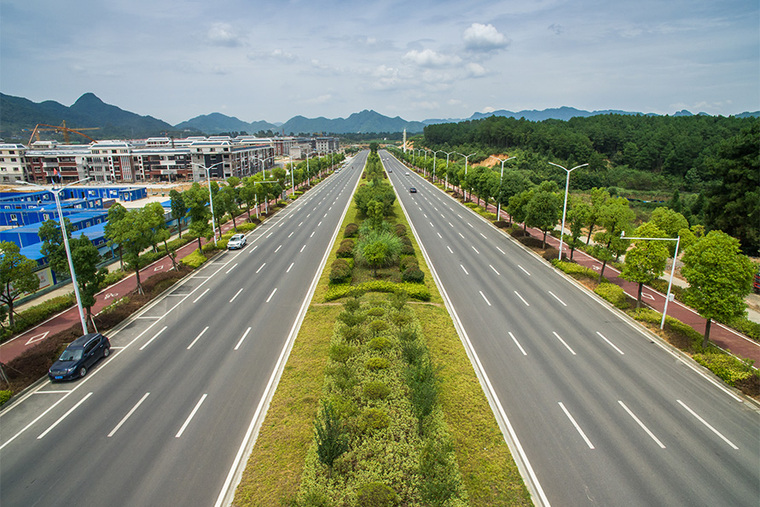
(80, 356)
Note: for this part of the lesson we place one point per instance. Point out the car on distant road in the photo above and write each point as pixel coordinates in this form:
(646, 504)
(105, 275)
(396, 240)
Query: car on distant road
(79, 357)
(412, 190)
(236, 241)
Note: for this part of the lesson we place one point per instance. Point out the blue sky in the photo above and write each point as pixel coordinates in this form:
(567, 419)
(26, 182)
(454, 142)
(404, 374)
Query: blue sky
(271, 60)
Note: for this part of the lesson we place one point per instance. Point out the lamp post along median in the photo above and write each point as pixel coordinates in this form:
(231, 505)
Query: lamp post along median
(564, 206)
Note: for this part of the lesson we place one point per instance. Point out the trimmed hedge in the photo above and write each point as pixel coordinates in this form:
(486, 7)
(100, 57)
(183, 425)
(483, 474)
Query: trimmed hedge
(195, 259)
(413, 290)
(346, 249)
(729, 368)
(351, 230)
(614, 294)
(340, 271)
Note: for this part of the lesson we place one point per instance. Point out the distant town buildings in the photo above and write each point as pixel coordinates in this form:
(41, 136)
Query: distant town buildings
(152, 160)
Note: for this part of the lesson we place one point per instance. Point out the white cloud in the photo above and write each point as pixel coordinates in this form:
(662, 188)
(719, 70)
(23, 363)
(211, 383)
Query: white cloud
(475, 70)
(479, 37)
(222, 34)
(430, 59)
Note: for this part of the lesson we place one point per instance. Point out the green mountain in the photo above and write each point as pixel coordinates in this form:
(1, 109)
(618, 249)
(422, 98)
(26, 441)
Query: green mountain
(19, 116)
(366, 121)
(216, 123)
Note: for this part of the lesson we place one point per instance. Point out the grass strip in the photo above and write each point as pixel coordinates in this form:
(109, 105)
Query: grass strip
(274, 468)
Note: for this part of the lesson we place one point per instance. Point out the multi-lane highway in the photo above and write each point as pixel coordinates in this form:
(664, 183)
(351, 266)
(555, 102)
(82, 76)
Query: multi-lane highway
(166, 419)
(595, 410)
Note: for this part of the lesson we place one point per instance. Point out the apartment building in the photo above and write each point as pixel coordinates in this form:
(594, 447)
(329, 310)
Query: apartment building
(12, 162)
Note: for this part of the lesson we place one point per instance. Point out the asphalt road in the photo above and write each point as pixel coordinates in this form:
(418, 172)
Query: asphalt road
(596, 412)
(167, 418)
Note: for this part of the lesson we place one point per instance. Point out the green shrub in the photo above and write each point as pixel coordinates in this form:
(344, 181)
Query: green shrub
(195, 259)
(746, 326)
(331, 437)
(4, 397)
(340, 352)
(407, 262)
(379, 343)
(352, 334)
(415, 291)
(43, 311)
(440, 478)
(343, 376)
(377, 311)
(398, 300)
(575, 270)
(246, 227)
(423, 389)
(352, 319)
(413, 275)
(351, 230)
(113, 277)
(340, 271)
(407, 250)
(178, 243)
(725, 366)
(376, 390)
(352, 305)
(346, 248)
(376, 494)
(614, 294)
(378, 326)
(377, 363)
(400, 230)
(373, 419)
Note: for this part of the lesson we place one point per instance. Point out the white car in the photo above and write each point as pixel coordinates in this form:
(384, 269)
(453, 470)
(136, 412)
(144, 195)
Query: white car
(236, 241)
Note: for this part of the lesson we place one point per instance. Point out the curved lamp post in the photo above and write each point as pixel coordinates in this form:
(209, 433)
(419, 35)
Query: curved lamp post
(564, 207)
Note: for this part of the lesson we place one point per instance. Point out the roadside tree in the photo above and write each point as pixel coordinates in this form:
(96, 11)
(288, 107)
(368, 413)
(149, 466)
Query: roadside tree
(17, 276)
(645, 262)
(719, 278)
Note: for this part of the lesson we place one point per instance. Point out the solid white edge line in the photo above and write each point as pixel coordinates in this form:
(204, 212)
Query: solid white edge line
(190, 417)
(64, 416)
(708, 425)
(227, 492)
(129, 414)
(643, 427)
(510, 436)
(577, 427)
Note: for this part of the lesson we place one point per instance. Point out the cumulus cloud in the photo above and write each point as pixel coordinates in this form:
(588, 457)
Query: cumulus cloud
(479, 37)
(222, 34)
(430, 59)
(275, 54)
(475, 70)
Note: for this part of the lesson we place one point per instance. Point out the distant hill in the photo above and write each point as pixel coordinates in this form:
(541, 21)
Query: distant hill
(216, 123)
(20, 115)
(364, 122)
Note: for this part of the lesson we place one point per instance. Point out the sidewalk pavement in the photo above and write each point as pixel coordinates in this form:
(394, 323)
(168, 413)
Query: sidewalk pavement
(17, 345)
(724, 337)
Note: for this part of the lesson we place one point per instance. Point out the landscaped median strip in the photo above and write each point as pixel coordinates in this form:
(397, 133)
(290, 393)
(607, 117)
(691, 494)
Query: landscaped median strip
(276, 474)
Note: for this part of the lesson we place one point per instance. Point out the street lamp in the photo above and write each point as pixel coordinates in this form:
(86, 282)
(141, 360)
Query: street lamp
(498, 209)
(564, 207)
(292, 170)
(672, 270)
(434, 155)
(56, 192)
(466, 159)
(210, 196)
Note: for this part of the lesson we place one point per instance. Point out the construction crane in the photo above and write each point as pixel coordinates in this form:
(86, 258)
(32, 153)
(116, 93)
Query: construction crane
(62, 128)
